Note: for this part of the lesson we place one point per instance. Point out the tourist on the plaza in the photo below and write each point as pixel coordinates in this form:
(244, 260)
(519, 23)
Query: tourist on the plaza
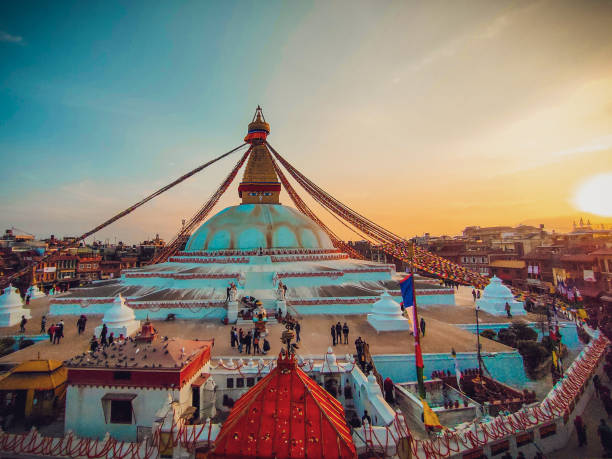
(27, 299)
(388, 386)
(345, 332)
(51, 333)
(256, 345)
(233, 337)
(43, 324)
(58, 334)
(93, 344)
(103, 334)
(507, 308)
(597, 385)
(111, 338)
(477, 294)
(422, 326)
(240, 340)
(247, 342)
(474, 294)
(266, 346)
(22, 324)
(359, 347)
(333, 333)
(366, 417)
(83, 323)
(298, 328)
(605, 436)
(580, 431)
(339, 333)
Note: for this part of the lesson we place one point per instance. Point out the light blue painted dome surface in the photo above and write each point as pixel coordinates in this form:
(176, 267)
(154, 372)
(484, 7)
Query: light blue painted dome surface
(251, 226)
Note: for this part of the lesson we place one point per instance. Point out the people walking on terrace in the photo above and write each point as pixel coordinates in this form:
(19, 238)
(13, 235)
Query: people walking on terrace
(580, 431)
(422, 326)
(103, 334)
(298, 328)
(339, 333)
(605, 436)
(240, 340)
(22, 324)
(477, 294)
(93, 344)
(474, 294)
(43, 324)
(51, 333)
(256, 349)
(333, 334)
(247, 342)
(111, 338)
(80, 324)
(233, 337)
(345, 332)
(266, 346)
(58, 334)
(507, 307)
(366, 417)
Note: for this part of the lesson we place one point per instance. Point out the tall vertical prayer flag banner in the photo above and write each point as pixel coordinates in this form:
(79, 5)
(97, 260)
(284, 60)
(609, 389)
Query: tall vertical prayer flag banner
(409, 297)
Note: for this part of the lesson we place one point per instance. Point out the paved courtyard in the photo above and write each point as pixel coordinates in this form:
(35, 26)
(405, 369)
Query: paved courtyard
(440, 336)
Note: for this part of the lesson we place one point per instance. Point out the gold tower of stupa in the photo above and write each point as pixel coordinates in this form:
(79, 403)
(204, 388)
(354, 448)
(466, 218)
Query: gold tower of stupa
(260, 183)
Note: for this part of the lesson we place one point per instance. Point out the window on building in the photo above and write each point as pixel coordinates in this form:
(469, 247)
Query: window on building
(121, 412)
(230, 383)
(118, 408)
(239, 382)
(250, 382)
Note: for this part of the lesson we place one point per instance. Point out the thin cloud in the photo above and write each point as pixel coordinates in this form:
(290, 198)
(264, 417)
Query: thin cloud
(6, 37)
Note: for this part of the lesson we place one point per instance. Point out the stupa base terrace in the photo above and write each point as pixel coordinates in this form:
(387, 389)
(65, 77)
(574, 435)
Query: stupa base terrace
(195, 285)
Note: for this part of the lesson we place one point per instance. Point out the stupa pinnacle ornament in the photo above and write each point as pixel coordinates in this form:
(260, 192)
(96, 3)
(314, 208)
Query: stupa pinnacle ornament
(260, 183)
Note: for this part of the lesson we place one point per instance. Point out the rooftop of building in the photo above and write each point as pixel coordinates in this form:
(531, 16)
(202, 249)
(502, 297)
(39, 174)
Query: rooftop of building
(165, 353)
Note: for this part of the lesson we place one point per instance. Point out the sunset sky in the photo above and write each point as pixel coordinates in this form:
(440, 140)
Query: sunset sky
(423, 116)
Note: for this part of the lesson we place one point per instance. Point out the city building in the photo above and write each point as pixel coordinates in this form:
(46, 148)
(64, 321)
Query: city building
(121, 388)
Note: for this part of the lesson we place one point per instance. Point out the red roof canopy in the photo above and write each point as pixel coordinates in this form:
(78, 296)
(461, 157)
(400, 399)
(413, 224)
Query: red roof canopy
(285, 415)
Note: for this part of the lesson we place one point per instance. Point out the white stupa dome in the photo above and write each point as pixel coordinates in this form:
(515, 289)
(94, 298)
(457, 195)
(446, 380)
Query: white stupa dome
(253, 226)
(10, 299)
(387, 315)
(386, 306)
(118, 313)
(494, 299)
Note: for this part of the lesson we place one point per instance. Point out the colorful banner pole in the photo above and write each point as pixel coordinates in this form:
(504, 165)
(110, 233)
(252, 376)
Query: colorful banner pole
(409, 297)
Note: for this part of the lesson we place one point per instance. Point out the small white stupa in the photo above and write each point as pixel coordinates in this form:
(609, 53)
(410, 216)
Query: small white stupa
(387, 315)
(494, 299)
(11, 308)
(119, 319)
(35, 292)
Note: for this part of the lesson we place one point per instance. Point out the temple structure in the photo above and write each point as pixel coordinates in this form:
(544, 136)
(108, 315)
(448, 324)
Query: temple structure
(495, 296)
(285, 415)
(11, 307)
(252, 246)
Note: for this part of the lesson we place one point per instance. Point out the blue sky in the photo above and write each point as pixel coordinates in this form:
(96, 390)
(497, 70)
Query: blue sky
(102, 102)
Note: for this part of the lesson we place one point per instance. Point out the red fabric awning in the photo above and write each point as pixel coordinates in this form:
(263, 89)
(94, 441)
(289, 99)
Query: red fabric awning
(285, 415)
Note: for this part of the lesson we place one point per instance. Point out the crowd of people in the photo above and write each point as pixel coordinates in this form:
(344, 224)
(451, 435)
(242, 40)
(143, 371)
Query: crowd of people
(251, 341)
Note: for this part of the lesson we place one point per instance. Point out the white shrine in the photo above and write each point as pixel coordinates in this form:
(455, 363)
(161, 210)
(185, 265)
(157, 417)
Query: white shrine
(11, 308)
(387, 315)
(494, 299)
(119, 319)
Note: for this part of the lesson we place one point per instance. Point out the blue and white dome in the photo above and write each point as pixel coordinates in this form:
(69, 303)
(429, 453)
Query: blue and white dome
(253, 226)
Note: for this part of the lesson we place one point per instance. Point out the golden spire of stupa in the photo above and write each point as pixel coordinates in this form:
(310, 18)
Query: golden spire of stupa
(260, 183)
